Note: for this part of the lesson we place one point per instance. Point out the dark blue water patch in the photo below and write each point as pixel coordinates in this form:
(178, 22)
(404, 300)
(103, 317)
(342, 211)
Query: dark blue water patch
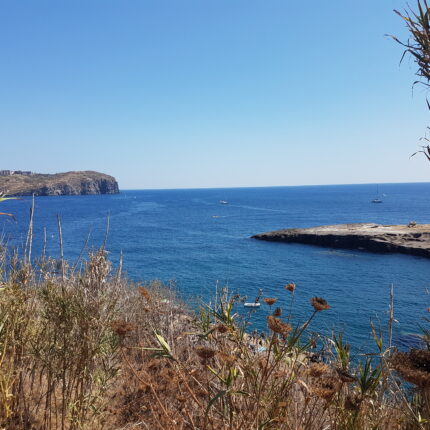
(406, 341)
(189, 237)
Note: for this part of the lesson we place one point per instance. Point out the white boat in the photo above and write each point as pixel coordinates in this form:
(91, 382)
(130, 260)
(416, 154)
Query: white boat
(256, 302)
(223, 202)
(251, 305)
(377, 199)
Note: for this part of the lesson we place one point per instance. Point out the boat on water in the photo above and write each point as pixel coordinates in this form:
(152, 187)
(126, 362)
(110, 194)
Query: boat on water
(255, 303)
(251, 305)
(377, 199)
(223, 202)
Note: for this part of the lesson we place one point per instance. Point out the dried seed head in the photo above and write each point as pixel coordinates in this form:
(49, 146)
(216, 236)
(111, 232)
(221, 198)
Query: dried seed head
(262, 363)
(145, 293)
(122, 328)
(344, 376)
(204, 352)
(281, 374)
(352, 403)
(413, 366)
(278, 326)
(221, 328)
(319, 304)
(270, 301)
(318, 369)
(227, 358)
(290, 287)
(326, 387)
(277, 312)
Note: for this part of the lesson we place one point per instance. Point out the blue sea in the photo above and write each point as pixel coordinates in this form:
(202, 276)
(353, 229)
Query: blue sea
(188, 237)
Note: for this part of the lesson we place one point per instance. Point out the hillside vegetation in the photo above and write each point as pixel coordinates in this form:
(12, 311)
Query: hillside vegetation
(69, 183)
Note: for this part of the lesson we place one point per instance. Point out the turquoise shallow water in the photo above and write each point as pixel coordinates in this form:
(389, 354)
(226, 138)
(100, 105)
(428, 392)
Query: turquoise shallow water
(188, 237)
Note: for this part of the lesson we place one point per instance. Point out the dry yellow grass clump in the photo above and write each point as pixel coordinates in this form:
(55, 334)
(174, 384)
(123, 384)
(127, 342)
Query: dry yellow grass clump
(89, 350)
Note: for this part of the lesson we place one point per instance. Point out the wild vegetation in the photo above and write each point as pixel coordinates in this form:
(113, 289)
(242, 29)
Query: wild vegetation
(418, 47)
(87, 349)
(82, 347)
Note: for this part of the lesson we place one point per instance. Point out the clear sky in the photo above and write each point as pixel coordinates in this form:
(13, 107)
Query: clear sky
(210, 93)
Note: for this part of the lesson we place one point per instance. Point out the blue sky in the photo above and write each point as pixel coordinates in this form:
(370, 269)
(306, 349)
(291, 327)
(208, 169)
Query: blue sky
(210, 93)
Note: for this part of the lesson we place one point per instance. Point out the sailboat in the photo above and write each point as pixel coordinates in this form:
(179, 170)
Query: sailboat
(377, 199)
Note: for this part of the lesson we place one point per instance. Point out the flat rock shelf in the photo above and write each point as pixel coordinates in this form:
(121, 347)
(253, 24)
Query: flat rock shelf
(407, 239)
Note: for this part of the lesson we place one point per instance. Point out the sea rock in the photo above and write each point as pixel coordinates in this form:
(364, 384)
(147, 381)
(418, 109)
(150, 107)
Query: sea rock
(59, 184)
(411, 239)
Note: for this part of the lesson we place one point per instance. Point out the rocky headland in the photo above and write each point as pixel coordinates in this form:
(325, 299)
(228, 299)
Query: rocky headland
(58, 184)
(413, 239)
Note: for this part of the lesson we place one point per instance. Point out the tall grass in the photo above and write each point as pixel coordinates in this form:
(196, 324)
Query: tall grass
(58, 353)
(88, 349)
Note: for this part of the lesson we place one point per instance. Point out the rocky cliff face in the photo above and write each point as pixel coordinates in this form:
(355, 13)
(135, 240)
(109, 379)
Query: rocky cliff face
(85, 187)
(59, 184)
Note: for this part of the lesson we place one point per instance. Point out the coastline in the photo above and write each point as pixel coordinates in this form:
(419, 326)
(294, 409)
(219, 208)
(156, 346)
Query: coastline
(411, 240)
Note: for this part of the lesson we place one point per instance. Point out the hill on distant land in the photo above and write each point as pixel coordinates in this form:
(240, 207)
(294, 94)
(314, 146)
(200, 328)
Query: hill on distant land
(58, 184)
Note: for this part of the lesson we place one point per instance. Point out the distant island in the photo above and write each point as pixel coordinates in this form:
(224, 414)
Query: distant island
(25, 183)
(413, 239)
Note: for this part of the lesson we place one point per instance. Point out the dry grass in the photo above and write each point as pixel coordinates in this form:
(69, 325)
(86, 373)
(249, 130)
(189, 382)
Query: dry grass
(90, 350)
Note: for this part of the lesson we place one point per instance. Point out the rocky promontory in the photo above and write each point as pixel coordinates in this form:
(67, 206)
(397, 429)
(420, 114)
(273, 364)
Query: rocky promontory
(413, 239)
(59, 184)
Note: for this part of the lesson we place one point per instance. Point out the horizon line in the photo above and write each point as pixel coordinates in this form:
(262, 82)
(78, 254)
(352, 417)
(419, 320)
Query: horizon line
(270, 186)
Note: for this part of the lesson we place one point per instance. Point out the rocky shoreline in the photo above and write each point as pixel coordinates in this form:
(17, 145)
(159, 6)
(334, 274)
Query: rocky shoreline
(406, 239)
(58, 184)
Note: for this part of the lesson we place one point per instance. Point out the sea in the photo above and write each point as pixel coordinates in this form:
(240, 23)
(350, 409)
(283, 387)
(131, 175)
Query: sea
(188, 239)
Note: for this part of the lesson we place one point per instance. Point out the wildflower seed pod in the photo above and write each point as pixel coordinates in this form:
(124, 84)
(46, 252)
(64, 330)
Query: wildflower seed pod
(204, 352)
(145, 293)
(319, 304)
(318, 369)
(278, 326)
(122, 328)
(270, 300)
(290, 287)
(277, 312)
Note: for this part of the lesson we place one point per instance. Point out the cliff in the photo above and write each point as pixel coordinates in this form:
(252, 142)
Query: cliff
(59, 184)
(414, 240)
